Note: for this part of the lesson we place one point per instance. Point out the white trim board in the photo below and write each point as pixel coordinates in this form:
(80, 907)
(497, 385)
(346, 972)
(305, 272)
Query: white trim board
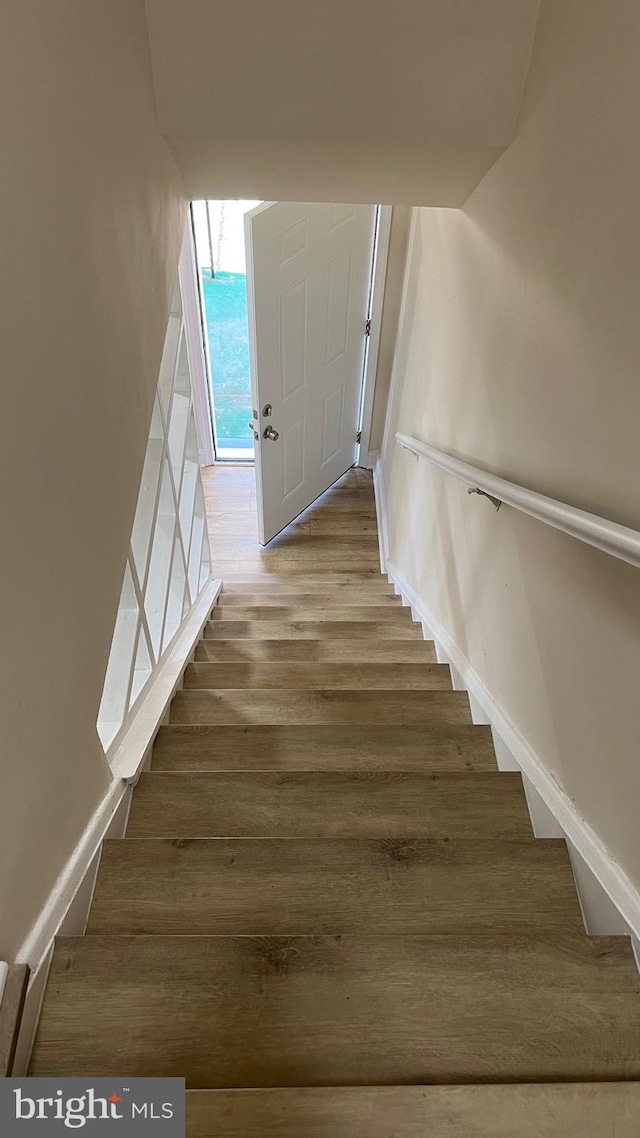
(67, 910)
(127, 764)
(67, 907)
(597, 857)
(381, 513)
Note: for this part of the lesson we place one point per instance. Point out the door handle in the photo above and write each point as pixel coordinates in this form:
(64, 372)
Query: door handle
(269, 433)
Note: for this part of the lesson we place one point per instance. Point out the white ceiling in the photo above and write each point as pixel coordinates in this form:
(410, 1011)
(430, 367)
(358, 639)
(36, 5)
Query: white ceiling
(385, 77)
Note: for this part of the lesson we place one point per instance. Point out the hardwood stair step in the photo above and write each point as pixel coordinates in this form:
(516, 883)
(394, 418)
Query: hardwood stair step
(300, 675)
(292, 560)
(313, 629)
(297, 544)
(297, 886)
(323, 520)
(395, 614)
(331, 582)
(271, 705)
(346, 502)
(320, 651)
(376, 804)
(436, 747)
(529, 1110)
(308, 1011)
(328, 599)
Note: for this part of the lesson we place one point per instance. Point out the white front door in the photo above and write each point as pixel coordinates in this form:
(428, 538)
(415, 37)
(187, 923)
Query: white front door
(308, 283)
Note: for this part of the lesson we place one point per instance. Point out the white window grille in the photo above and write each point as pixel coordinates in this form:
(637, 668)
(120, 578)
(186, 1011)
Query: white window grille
(169, 562)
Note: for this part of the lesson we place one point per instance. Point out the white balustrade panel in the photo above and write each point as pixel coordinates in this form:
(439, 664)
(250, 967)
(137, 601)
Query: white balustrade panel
(169, 561)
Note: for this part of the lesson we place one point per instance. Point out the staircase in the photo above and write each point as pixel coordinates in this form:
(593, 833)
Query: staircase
(330, 913)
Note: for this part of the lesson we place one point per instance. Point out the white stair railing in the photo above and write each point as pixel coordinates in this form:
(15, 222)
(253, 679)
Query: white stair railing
(617, 540)
(169, 560)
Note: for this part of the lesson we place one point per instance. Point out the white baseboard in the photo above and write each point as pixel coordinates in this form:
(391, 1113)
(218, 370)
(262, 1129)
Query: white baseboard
(611, 904)
(66, 910)
(70, 881)
(381, 514)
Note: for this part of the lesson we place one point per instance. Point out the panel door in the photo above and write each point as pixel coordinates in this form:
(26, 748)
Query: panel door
(308, 282)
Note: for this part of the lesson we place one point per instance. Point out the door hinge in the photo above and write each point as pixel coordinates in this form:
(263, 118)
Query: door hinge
(367, 328)
(358, 436)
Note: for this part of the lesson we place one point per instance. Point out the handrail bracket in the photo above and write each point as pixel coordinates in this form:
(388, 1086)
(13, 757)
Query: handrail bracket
(497, 502)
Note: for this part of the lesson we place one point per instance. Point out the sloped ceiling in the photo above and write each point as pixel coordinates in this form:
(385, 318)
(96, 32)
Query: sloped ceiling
(405, 100)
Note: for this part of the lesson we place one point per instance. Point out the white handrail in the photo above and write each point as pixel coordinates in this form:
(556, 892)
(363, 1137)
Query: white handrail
(619, 541)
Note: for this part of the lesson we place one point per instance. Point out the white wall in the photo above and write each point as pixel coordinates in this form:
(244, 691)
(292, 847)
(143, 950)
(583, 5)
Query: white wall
(93, 212)
(283, 101)
(519, 352)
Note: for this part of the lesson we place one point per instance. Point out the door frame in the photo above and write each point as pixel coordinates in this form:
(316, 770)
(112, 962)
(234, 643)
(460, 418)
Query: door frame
(198, 348)
(376, 305)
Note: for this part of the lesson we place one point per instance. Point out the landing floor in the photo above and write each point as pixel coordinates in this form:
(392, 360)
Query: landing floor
(337, 533)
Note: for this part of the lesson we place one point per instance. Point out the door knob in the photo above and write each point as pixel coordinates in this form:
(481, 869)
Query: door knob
(269, 433)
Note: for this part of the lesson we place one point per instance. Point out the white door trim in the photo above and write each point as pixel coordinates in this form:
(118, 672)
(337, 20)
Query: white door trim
(381, 256)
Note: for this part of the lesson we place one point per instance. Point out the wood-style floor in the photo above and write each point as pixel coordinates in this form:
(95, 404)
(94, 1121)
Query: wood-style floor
(337, 534)
(329, 913)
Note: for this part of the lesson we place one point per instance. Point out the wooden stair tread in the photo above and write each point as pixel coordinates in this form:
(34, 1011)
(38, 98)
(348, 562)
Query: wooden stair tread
(322, 651)
(352, 597)
(291, 562)
(298, 544)
(529, 1110)
(290, 676)
(394, 614)
(294, 886)
(300, 1011)
(271, 705)
(439, 747)
(347, 503)
(328, 804)
(313, 629)
(325, 521)
(328, 582)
